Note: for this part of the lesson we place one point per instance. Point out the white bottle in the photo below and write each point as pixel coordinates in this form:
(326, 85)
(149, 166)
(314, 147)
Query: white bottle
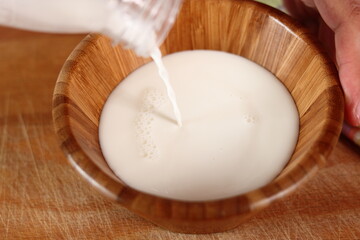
(137, 24)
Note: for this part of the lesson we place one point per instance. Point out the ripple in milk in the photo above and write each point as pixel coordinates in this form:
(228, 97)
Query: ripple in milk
(240, 127)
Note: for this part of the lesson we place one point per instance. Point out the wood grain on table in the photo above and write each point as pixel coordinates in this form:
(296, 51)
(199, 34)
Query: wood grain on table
(43, 197)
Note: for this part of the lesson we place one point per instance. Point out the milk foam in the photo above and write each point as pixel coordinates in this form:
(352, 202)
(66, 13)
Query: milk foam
(240, 126)
(151, 100)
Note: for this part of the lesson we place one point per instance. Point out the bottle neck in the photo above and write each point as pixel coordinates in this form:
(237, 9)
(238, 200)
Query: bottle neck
(142, 25)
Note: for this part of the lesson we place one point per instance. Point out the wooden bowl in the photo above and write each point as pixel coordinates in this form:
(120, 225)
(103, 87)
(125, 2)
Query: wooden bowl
(255, 31)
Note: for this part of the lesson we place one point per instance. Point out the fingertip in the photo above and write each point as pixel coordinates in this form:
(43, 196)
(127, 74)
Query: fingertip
(352, 114)
(356, 115)
(299, 10)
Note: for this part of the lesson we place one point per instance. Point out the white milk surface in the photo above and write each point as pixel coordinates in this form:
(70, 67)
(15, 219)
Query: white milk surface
(239, 127)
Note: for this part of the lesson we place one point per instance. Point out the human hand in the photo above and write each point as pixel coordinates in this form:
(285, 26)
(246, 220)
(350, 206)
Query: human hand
(337, 23)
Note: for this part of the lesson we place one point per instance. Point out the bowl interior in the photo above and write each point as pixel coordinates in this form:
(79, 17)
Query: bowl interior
(245, 28)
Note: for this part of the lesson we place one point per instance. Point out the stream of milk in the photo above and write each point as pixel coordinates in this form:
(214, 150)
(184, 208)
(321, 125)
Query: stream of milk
(156, 56)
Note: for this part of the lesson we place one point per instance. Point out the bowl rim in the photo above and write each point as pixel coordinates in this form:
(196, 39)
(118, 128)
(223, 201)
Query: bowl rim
(252, 201)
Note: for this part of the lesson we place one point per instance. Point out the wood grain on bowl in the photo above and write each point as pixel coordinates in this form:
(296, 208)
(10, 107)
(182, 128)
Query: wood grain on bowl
(259, 33)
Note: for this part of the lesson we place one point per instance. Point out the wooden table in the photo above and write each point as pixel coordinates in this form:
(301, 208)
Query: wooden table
(43, 197)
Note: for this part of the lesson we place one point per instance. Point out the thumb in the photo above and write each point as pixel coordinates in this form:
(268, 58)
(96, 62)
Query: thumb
(343, 17)
(347, 44)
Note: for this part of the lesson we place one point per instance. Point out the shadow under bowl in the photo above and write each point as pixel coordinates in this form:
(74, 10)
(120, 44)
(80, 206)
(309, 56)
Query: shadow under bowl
(246, 28)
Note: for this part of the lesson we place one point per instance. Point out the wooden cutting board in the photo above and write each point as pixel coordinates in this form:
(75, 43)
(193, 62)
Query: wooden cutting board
(43, 197)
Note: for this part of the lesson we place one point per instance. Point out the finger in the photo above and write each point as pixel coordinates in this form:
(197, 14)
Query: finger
(305, 14)
(343, 17)
(327, 37)
(343, 35)
(347, 42)
(299, 10)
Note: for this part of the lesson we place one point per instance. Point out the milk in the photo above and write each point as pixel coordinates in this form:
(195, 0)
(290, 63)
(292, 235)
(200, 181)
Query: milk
(239, 127)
